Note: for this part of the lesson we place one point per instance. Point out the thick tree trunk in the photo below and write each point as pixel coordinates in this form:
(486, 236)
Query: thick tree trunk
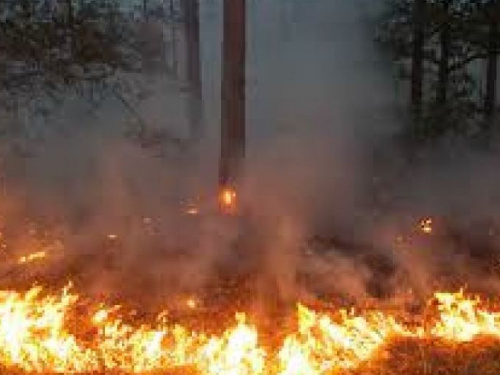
(193, 64)
(417, 71)
(233, 91)
(492, 70)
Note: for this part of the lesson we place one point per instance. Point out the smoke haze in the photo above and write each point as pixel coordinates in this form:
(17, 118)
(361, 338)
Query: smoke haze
(321, 103)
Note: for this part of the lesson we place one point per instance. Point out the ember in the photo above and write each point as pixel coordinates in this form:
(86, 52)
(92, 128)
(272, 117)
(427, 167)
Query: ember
(32, 257)
(228, 200)
(426, 226)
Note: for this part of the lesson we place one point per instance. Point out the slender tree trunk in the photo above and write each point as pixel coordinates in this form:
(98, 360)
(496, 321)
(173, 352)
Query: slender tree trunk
(417, 71)
(70, 24)
(174, 64)
(492, 70)
(233, 91)
(193, 62)
(70, 13)
(444, 61)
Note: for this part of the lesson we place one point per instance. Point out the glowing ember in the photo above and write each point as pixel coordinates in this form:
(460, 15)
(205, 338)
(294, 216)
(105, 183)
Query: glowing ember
(426, 226)
(43, 334)
(192, 210)
(32, 257)
(192, 303)
(228, 200)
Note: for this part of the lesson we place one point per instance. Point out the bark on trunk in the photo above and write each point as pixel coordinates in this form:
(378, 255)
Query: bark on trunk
(233, 91)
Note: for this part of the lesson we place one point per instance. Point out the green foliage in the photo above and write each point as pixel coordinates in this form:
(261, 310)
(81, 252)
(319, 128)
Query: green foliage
(466, 23)
(46, 50)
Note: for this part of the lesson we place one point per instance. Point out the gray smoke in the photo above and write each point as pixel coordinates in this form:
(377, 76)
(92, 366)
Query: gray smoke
(320, 102)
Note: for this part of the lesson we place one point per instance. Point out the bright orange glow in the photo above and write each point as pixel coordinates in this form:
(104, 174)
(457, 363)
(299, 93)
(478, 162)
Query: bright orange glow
(192, 303)
(42, 333)
(323, 345)
(463, 319)
(32, 257)
(426, 225)
(228, 200)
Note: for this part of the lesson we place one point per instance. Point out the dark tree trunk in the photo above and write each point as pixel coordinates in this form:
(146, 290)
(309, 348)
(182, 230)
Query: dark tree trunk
(145, 9)
(70, 13)
(417, 71)
(174, 64)
(444, 60)
(233, 91)
(70, 23)
(193, 62)
(492, 70)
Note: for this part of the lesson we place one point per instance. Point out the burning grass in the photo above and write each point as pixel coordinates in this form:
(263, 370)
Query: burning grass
(59, 331)
(436, 356)
(47, 333)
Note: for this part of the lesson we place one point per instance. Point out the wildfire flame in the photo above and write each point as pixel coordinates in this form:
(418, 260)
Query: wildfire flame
(463, 319)
(42, 333)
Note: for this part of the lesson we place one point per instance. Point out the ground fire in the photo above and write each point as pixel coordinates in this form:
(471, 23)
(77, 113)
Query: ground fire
(349, 231)
(61, 332)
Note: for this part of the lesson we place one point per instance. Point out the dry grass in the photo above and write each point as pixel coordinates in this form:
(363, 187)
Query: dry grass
(436, 357)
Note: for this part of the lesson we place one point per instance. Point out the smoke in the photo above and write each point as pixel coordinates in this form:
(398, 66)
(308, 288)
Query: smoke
(320, 104)
(455, 185)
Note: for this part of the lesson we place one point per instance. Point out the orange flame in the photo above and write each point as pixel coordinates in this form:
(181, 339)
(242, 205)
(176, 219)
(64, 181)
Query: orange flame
(462, 319)
(228, 200)
(39, 334)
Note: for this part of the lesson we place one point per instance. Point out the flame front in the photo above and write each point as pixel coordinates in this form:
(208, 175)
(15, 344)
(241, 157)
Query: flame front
(322, 345)
(43, 333)
(33, 335)
(463, 319)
